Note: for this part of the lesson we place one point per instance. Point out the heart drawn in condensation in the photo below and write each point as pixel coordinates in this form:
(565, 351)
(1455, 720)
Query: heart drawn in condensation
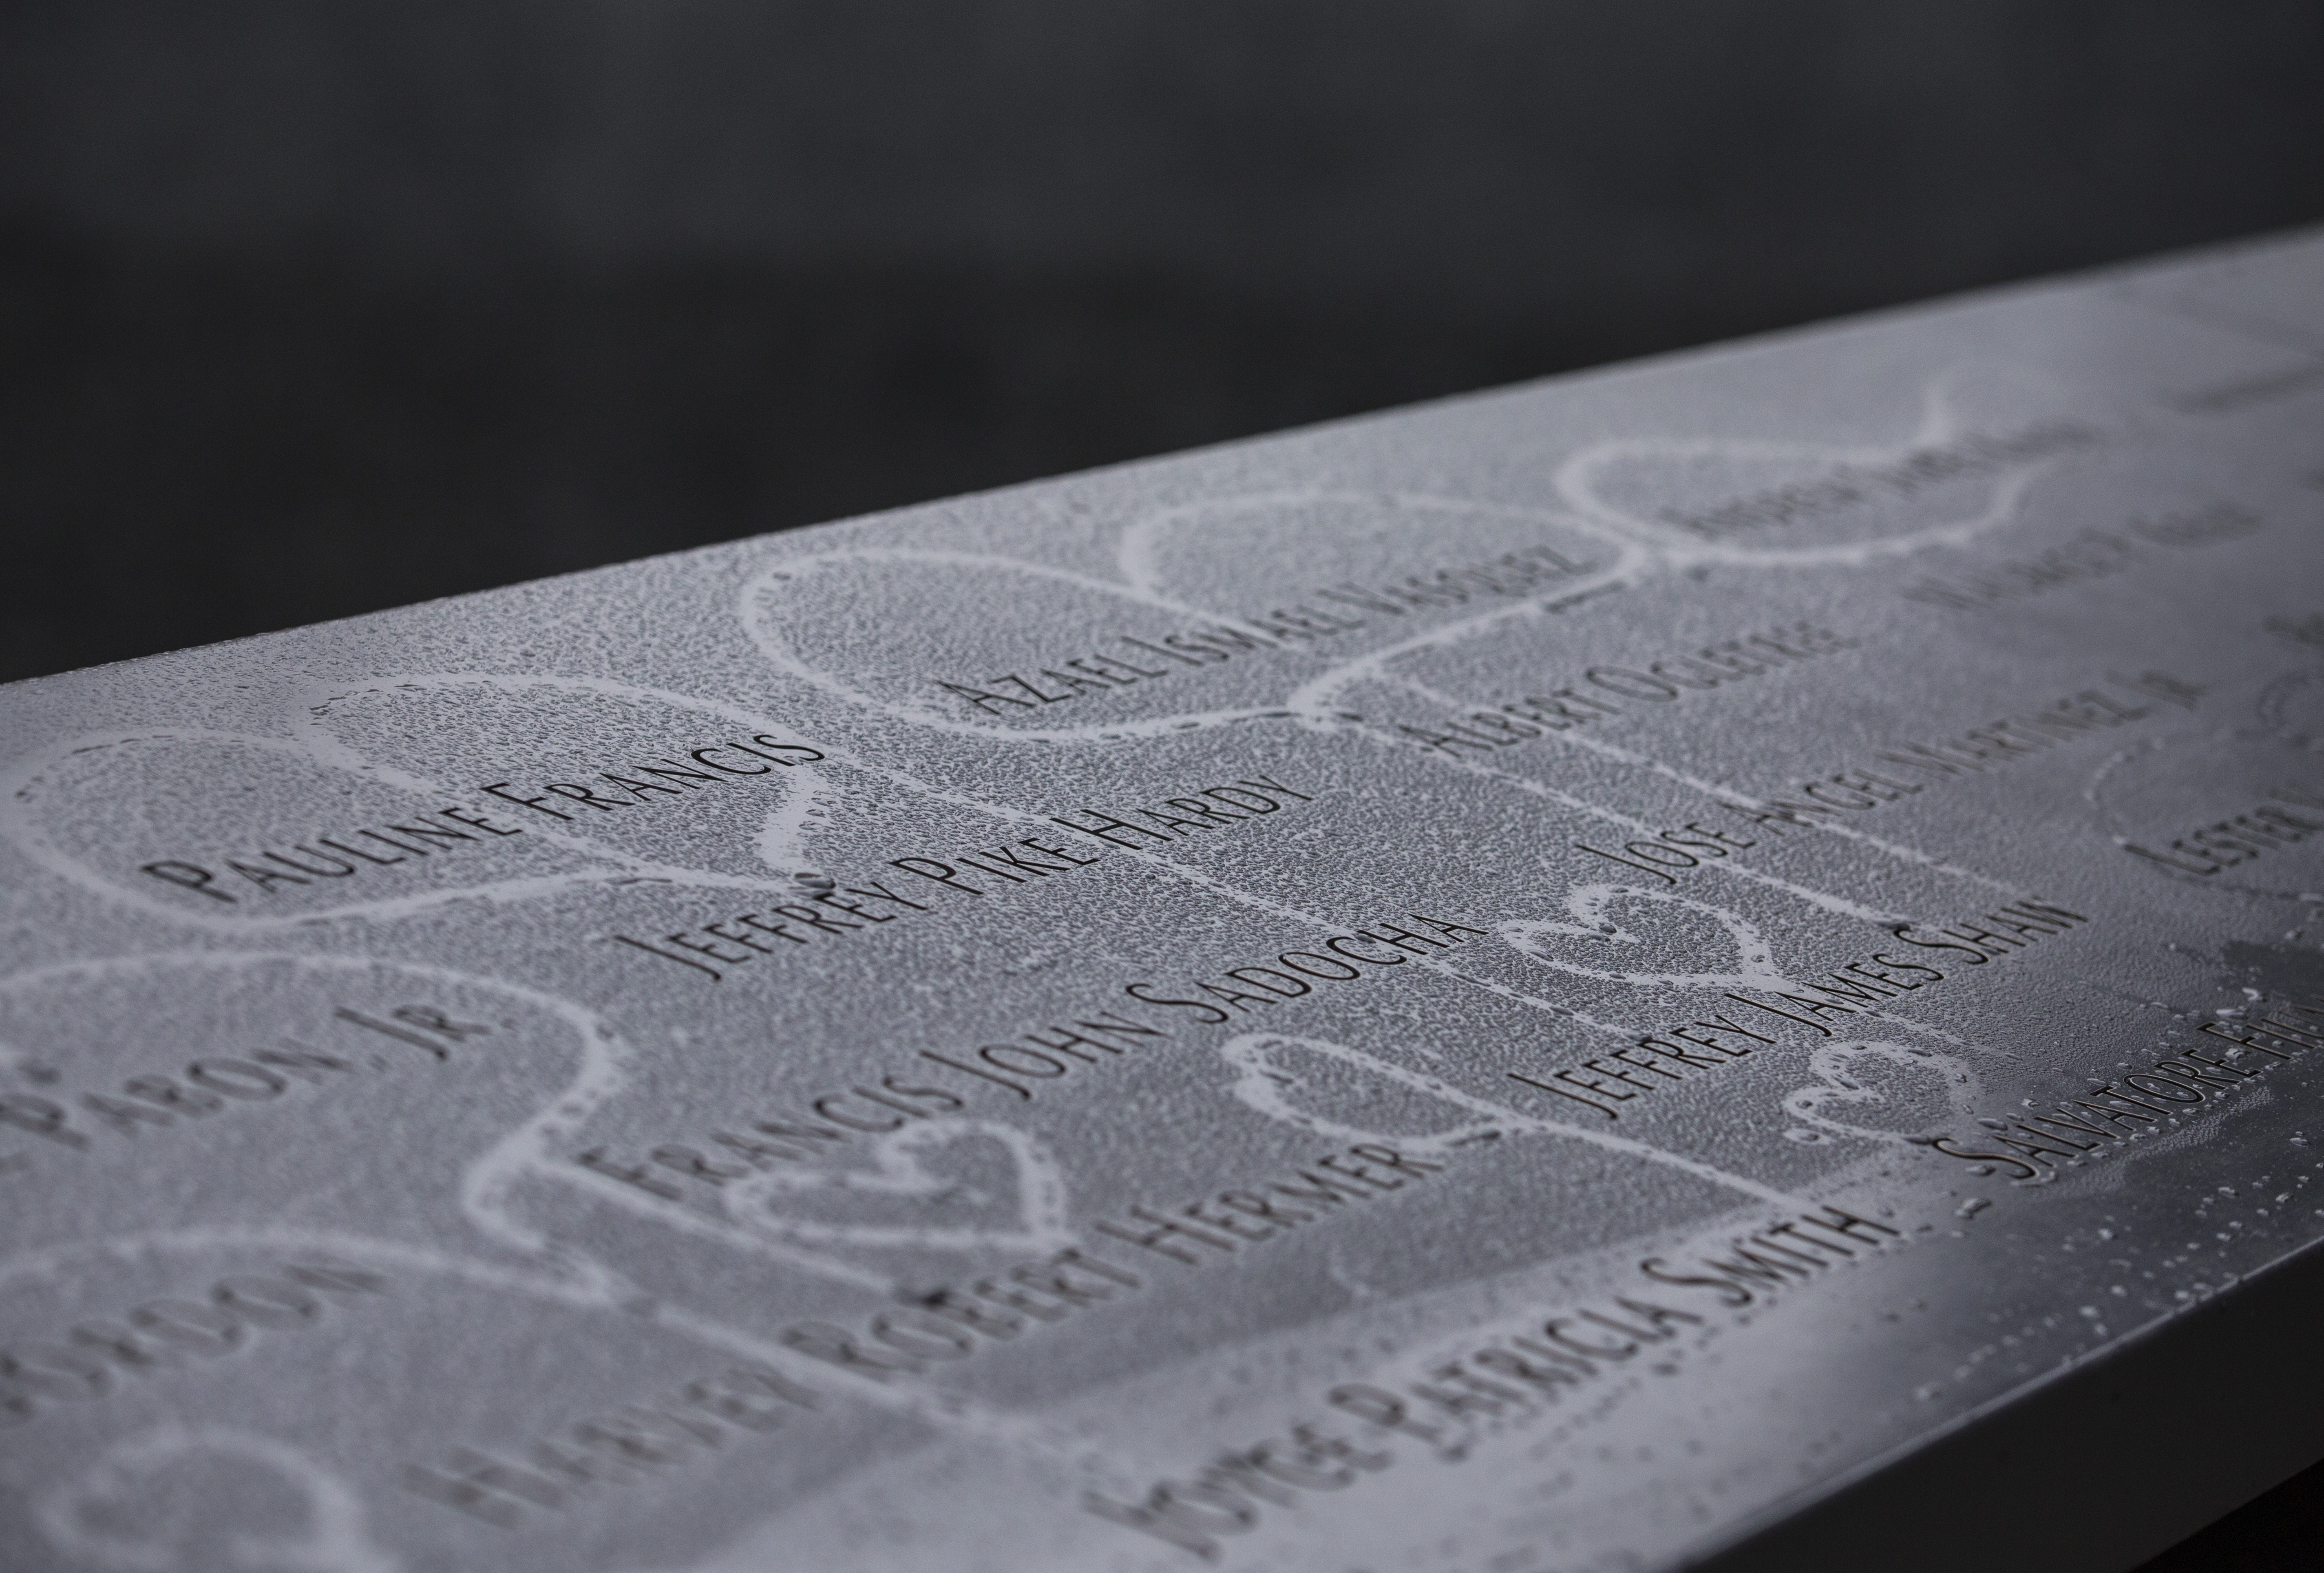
(212, 1498)
(1983, 433)
(938, 1185)
(1668, 929)
(1885, 1091)
(1346, 1095)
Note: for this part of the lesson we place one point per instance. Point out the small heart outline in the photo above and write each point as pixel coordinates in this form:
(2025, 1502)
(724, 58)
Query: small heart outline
(1834, 1067)
(1591, 904)
(898, 1171)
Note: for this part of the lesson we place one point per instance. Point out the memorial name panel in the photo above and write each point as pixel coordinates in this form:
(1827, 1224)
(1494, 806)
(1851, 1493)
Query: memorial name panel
(1538, 976)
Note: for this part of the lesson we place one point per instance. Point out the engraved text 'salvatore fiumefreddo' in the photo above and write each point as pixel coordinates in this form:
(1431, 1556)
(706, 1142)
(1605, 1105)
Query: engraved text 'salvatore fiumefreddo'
(1580, 978)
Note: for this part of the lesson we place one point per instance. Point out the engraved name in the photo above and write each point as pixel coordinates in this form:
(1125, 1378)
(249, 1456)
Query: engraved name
(2094, 553)
(1662, 681)
(1505, 1380)
(1681, 1053)
(2239, 839)
(92, 1360)
(1853, 485)
(1973, 751)
(947, 1325)
(453, 829)
(833, 911)
(330, 857)
(610, 792)
(1052, 1053)
(615, 1448)
(154, 1101)
(2029, 1148)
(1512, 574)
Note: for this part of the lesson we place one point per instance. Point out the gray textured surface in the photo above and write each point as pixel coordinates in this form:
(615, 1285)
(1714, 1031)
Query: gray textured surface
(303, 1267)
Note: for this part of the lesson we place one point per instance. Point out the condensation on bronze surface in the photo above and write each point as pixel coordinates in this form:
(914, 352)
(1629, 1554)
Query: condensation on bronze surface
(1503, 985)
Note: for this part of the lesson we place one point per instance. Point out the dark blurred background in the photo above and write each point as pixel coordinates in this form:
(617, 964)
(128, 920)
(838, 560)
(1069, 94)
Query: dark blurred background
(318, 306)
(311, 307)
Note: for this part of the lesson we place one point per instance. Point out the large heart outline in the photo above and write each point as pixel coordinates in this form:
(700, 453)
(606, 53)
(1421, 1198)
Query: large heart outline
(1579, 486)
(313, 744)
(765, 612)
(766, 609)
